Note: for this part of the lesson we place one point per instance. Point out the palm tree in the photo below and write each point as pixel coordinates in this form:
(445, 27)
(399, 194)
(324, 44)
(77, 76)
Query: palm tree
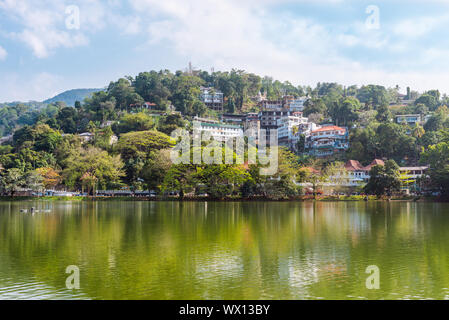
(418, 131)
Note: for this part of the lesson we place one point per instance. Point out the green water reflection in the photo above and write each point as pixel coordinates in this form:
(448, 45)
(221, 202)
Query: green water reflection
(232, 250)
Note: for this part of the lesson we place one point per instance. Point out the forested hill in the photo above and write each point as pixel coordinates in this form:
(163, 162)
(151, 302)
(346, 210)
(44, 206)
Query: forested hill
(71, 96)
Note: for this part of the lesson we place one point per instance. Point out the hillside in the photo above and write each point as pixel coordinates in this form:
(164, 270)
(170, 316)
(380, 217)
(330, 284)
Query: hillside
(71, 96)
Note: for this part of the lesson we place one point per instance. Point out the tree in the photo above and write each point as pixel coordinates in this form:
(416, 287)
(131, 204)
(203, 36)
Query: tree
(134, 122)
(373, 96)
(51, 177)
(418, 131)
(179, 178)
(336, 174)
(12, 181)
(168, 124)
(383, 113)
(67, 120)
(221, 180)
(314, 177)
(141, 143)
(345, 110)
(137, 147)
(124, 94)
(313, 106)
(156, 168)
(93, 164)
(384, 180)
(429, 100)
(437, 156)
(34, 181)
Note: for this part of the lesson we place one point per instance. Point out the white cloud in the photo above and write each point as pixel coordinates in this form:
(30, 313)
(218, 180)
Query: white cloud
(36, 87)
(43, 25)
(418, 27)
(239, 34)
(3, 53)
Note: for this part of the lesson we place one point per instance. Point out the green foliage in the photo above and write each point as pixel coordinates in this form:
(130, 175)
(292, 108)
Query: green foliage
(141, 143)
(12, 181)
(384, 180)
(437, 156)
(156, 168)
(373, 96)
(429, 100)
(96, 164)
(169, 123)
(221, 180)
(134, 122)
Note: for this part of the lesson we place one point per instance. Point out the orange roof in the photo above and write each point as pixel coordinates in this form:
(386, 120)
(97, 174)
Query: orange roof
(354, 165)
(376, 162)
(329, 128)
(311, 170)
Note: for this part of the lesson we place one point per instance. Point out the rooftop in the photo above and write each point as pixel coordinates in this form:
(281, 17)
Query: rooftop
(354, 165)
(329, 128)
(219, 125)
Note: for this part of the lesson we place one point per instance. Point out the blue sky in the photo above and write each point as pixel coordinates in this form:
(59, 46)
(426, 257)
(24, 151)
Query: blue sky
(43, 52)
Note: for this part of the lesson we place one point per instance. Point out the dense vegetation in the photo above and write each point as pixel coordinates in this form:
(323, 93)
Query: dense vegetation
(47, 150)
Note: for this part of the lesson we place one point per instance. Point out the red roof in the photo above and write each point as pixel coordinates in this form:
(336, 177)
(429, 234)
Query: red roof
(311, 170)
(376, 162)
(329, 128)
(354, 165)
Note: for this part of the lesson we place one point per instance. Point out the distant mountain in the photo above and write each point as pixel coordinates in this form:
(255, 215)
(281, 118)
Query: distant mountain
(71, 96)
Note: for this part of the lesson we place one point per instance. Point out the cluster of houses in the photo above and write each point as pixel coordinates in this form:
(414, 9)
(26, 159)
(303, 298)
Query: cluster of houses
(285, 117)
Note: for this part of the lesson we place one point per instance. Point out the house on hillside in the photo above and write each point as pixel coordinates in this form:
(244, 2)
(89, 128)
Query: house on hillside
(410, 119)
(358, 174)
(328, 140)
(86, 136)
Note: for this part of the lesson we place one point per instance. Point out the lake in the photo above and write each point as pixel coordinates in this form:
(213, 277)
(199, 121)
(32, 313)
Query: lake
(224, 250)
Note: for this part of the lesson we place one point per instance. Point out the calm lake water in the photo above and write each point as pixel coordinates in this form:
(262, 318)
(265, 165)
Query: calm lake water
(232, 250)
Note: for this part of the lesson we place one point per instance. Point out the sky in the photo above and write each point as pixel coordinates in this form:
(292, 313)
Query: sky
(49, 46)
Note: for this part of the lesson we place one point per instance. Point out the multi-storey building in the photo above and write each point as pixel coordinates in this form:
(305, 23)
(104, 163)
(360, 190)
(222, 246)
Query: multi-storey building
(212, 98)
(219, 131)
(289, 128)
(269, 122)
(294, 104)
(271, 104)
(328, 140)
(252, 125)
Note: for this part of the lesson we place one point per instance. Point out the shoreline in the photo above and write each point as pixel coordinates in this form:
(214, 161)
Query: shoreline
(254, 199)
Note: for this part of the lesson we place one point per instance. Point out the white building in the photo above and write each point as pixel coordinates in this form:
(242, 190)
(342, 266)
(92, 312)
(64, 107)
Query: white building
(217, 130)
(289, 128)
(297, 105)
(87, 136)
(328, 140)
(212, 98)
